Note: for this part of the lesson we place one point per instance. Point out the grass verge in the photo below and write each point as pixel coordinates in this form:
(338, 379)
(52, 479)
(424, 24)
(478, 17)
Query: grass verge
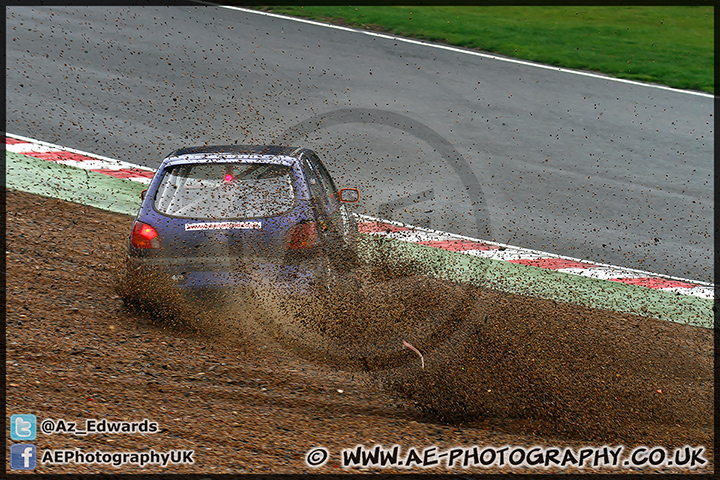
(672, 46)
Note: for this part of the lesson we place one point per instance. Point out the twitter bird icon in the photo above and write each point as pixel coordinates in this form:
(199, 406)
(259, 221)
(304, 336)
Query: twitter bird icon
(23, 427)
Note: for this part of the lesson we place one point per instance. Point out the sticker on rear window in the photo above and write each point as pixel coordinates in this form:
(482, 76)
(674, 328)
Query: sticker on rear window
(222, 226)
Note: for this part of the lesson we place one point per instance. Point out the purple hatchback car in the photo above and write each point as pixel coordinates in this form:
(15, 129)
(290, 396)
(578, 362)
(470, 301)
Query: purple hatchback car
(221, 216)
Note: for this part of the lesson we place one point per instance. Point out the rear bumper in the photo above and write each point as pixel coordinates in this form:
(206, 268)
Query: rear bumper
(298, 277)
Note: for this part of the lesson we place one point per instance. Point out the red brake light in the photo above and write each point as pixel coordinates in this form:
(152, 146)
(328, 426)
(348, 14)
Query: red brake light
(303, 236)
(228, 177)
(144, 236)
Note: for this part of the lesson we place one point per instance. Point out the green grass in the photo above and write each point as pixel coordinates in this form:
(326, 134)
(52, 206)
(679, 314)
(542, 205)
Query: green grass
(672, 46)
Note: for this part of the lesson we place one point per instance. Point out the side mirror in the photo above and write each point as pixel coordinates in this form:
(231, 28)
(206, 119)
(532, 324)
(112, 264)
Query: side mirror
(350, 195)
(142, 194)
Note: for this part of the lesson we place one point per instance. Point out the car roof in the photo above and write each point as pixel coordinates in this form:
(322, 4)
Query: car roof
(252, 150)
(245, 153)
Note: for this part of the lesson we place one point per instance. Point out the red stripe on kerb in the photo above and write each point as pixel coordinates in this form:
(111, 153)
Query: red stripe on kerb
(376, 227)
(653, 282)
(125, 173)
(459, 245)
(552, 263)
(12, 141)
(58, 156)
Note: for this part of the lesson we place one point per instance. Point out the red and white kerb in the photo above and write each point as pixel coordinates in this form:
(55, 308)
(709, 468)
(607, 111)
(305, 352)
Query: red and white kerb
(396, 230)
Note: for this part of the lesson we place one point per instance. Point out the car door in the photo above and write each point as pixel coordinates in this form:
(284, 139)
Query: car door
(317, 194)
(343, 222)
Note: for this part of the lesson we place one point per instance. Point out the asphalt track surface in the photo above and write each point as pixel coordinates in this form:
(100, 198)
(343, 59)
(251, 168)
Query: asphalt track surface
(582, 166)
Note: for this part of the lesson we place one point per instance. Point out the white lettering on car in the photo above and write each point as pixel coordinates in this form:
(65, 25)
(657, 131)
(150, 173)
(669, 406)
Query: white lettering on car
(223, 226)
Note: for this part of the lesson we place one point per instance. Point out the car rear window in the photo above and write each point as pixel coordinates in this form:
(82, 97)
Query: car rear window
(225, 190)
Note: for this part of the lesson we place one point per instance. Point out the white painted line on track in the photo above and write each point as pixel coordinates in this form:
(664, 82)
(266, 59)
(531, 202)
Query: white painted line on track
(461, 50)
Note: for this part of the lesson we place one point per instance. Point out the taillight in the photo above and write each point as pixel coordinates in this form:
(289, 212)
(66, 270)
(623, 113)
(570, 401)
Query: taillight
(144, 236)
(303, 236)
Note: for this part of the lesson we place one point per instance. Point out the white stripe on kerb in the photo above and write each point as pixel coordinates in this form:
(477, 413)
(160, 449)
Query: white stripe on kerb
(416, 237)
(90, 164)
(603, 273)
(144, 180)
(505, 255)
(702, 292)
(30, 148)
